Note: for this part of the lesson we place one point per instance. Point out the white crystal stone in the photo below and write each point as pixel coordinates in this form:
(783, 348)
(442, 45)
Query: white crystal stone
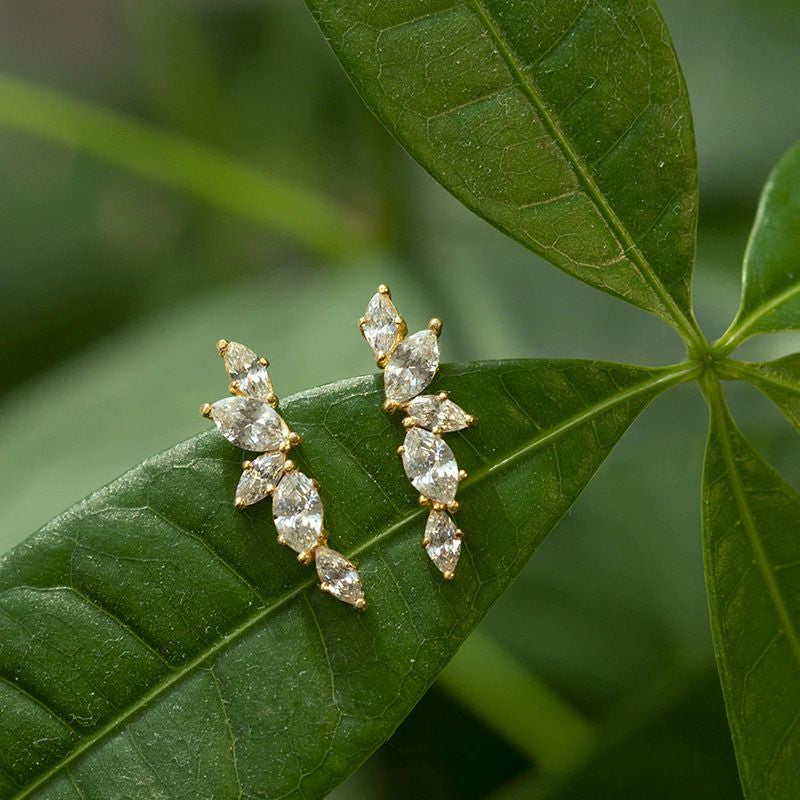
(260, 479)
(380, 327)
(412, 366)
(444, 542)
(249, 423)
(245, 370)
(430, 411)
(297, 511)
(339, 576)
(430, 465)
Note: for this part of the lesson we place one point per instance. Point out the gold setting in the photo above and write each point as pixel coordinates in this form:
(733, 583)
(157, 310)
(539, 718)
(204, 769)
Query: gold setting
(446, 564)
(345, 583)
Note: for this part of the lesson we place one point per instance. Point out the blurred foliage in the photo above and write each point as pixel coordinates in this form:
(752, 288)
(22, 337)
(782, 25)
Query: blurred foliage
(113, 290)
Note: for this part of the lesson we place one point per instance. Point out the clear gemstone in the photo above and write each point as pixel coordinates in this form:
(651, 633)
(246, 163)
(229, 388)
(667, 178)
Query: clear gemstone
(380, 327)
(249, 423)
(432, 412)
(297, 511)
(245, 370)
(260, 479)
(339, 576)
(412, 366)
(430, 465)
(444, 542)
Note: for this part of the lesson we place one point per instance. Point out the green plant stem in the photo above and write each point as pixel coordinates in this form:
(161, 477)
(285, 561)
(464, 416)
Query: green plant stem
(499, 690)
(307, 216)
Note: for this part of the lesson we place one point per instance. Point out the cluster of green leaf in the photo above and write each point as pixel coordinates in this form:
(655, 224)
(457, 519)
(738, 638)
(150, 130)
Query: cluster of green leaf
(155, 643)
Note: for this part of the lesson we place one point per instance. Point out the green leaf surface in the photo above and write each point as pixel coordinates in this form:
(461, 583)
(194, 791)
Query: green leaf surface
(771, 279)
(751, 521)
(779, 380)
(566, 124)
(157, 642)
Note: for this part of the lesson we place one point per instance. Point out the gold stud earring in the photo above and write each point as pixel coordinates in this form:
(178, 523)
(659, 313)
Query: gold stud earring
(409, 365)
(249, 419)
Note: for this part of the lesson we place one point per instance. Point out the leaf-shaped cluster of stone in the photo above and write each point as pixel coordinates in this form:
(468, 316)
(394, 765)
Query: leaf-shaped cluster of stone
(410, 364)
(249, 419)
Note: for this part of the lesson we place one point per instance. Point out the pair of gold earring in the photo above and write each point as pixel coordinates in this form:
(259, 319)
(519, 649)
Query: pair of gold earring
(249, 419)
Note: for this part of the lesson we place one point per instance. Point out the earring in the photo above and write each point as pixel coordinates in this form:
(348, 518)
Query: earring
(249, 420)
(409, 365)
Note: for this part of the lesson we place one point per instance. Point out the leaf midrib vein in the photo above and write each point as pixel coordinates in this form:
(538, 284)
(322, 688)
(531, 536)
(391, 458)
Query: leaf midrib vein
(742, 325)
(582, 172)
(663, 379)
(760, 554)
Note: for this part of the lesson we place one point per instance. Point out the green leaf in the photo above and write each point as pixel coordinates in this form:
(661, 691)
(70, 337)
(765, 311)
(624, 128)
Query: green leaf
(156, 641)
(771, 279)
(752, 554)
(566, 124)
(779, 380)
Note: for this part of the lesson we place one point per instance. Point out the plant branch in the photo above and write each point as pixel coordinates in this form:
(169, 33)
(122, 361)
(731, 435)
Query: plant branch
(501, 692)
(296, 211)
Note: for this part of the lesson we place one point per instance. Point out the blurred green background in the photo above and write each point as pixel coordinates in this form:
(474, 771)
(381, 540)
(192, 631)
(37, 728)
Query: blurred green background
(172, 172)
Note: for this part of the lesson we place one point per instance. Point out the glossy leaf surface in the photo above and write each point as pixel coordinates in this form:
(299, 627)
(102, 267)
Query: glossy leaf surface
(155, 641)
(779, 380)
(751, 520)
(771, 278)
(566, 124)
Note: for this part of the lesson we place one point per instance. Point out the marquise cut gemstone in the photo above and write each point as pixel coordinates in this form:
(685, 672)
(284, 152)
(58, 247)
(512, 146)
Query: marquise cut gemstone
(260, 479)
(297, 512)
(412, 366)
(380, 326)
(444, 542)
(430, 465)
(430, 411)
(339, 576)
(245, 370)
(249, 423)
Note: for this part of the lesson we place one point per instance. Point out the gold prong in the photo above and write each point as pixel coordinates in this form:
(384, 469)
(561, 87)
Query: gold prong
(425, 541)
(437, 430)
(295, 438)
(247, 465)
(453, 507)
(439, 506)
(459, 534)
(325, 587)
(289, 465)
(264, 362)
(462, 475)
(222, 346)
(233, 387)
(360, 604)
(272, 399)
(362, 323)
(284, 446)
(423, 501)
(239, 504)
(384, 290)
(402, 328)
(270, 488)
(449, 575)
(409, 423)
(382, 360)
(401, 450)
(436, 326)
(472, 421)
(389, 406)
(442, 396)
(306, 557)
(281, 539)
(315, 483)
(206, 410)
